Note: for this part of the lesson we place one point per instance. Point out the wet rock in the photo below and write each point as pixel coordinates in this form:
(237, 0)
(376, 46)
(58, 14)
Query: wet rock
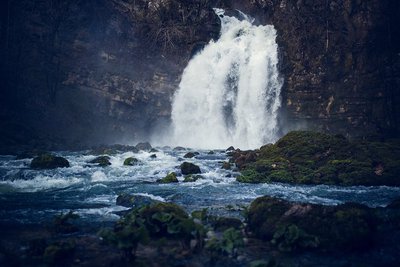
(63, 223)
(190, 155)
(59, 252)
(395, 204)
(102, 161)
(189, 168)
(170, 178)
(211, 152)
(153, 156)
(145, 146)
(224, 223)
(49, 161)
(131, 161)
(112, 149)
(226, 165)
(134, 201)
(153, 150)
(192, 178)
(179, 148)
(294, 226)
(231, 148)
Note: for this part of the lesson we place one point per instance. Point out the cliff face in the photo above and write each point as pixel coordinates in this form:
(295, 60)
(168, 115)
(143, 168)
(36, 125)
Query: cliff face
(105, 71)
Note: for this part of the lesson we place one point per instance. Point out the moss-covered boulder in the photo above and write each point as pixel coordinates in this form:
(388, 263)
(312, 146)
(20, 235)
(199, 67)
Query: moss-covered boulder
(131, 161)
(189, 168)
(170, 178)
(316, 158)
(292, 226)
(158, 222)
(48, 161)
(134, 201)
(102, 161)
(192, 178)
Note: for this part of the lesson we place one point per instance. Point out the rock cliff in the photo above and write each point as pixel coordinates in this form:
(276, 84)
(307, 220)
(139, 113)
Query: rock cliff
(79, 72)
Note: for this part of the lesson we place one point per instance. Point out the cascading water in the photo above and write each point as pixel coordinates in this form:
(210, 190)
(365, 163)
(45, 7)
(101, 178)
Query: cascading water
(230, 92)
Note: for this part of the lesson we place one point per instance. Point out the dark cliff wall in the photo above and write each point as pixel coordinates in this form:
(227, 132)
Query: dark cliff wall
(104, 71)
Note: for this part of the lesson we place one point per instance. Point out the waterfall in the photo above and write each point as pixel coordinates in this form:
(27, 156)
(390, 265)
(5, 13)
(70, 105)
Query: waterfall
(230, 91)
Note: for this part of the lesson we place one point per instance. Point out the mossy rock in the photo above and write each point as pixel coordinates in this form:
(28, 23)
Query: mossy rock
(293, 226)
(192, 178)
(131, 161)
(134, 201)
(224, 223)
(59, 253)
(189, 168)
(49, 161)
(315, 158)
(170, 178)
(102, 161)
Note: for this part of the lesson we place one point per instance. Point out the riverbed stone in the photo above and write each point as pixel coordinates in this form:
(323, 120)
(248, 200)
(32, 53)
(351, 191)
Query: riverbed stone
(134, 201)
(49, 161)
(170, 178)
(145, 146)
(102, 161)
(131, 161)
(189, 168)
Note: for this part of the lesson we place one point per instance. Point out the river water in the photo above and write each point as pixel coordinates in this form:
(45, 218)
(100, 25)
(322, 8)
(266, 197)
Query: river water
(35, 196)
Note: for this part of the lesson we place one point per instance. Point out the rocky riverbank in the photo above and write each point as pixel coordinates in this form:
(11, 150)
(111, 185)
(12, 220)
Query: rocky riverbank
(272, 232)
(304, 157)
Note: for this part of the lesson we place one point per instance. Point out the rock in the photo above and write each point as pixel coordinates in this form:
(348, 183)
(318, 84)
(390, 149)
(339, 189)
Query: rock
(134, 201)
(144, 146)
(170, 178)
(307, 157)
(226, 165)
(102, 161)
(395, 204)
(49, 161)
(179, 148)
(224, 223)
(153, 156)
(131, 161)
(190, 155)
(153, 150)
(192, 178)
(211, 152)
(112, 149)
(189, 168)
(231, 148)
(292, 226)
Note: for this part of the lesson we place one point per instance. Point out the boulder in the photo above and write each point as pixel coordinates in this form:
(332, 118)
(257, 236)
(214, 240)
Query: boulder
(170, 178)
(226, 165)
(49, 161)
(131, 161)
(190, 155)
(144, 146)
(101, 161)
(134, 201)
(292, 226)
(179, 148)
(231, 148)
(153, 156)
(192, 178)
(189, 168)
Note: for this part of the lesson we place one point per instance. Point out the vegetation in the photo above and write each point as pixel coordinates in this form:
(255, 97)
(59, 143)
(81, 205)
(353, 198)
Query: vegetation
(316, 158)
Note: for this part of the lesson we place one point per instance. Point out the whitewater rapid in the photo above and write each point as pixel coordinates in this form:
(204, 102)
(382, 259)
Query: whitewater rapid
(229, 93)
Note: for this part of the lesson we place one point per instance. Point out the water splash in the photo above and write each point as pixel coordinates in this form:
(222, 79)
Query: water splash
(230, 92)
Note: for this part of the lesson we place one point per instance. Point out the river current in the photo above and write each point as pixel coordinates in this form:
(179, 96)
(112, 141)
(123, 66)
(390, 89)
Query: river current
(30, 196)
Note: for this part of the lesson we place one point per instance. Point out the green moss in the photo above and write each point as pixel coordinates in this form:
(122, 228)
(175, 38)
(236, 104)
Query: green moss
(192, 178)
(316, 158)
(131, 161)
(170, 178)
(102, 161)
(48, 161)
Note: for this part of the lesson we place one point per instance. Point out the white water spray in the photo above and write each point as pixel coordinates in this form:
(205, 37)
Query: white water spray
(230, 92)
